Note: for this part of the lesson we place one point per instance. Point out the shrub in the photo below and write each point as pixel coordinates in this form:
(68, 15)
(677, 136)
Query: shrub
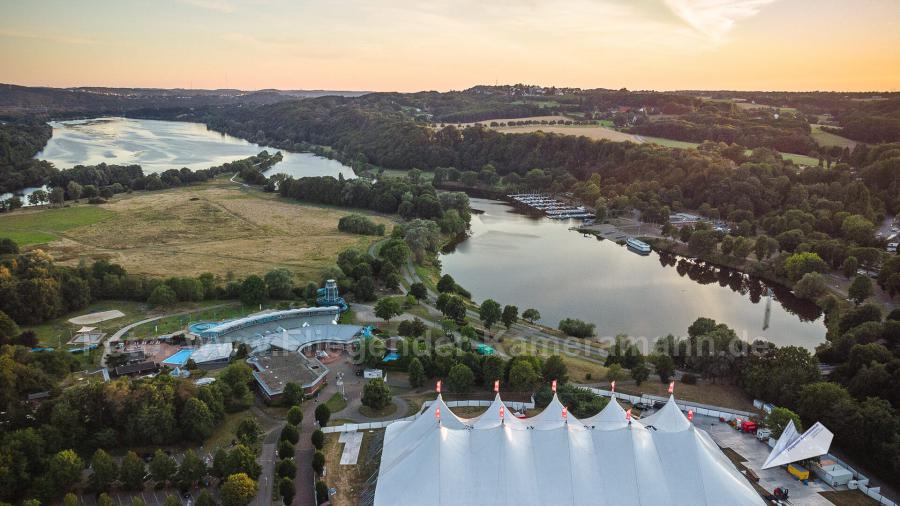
(323, 414)
(689, 379)
(321, 492)
(576, 328)
(295, 416)
(359, 224)
(318, 439)
(290, 433)
(286, 468)
(286, 489)
(285, 449)
(318, 462)
(376, 394)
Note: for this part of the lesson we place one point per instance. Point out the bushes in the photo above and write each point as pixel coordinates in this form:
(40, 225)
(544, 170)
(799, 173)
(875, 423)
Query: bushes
(321, 492)
(359, 224)
(689, 379)
(286, 489)
(286, 468)
(290, 433)
(318, 462)
(285, 449)
(576, 328)
(295, 415)
(318, 439)
(376, 394)
(323, 414)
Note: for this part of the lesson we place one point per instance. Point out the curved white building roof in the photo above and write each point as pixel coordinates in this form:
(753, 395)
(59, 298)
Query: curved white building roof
(550, 460)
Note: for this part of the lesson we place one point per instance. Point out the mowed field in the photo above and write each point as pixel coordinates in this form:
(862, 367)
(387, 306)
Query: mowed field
(828, 139)
(38, 226)
(217, 227)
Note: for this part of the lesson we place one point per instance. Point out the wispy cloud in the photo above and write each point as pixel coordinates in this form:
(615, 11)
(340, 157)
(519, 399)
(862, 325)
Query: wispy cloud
(213, 5)
(59, 39)
(715, 18)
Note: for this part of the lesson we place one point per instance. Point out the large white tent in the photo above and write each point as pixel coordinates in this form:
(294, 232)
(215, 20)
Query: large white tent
(554, 458)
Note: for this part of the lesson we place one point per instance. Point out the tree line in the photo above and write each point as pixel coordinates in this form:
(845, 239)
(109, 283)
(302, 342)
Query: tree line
(45, 445)
(19, 142)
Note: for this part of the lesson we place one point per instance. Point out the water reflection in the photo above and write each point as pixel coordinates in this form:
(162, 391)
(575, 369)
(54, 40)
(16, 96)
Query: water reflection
(161, 145)
(535, 262)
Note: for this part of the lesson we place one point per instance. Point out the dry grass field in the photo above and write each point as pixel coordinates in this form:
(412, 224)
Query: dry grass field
(592, 132)
(217, 227)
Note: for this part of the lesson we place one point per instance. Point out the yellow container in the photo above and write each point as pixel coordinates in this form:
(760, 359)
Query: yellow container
(800, 472)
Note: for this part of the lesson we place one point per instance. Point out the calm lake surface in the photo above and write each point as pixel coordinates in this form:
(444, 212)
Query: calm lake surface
(539, 263)
(161, 145)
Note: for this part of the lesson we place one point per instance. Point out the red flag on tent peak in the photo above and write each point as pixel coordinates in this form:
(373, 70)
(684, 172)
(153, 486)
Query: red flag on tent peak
(438, 386)
(437, 413)
(553, 386)
(672, 387)
(690, 415)
(612, 386)
(565, 413)
(502, 411)
(628, 414)
(497, 386)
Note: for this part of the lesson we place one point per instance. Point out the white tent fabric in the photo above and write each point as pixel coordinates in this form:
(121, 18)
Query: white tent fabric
(668, 419)
(609, 418)
(602, 460)
(551, 417)
(792, 447)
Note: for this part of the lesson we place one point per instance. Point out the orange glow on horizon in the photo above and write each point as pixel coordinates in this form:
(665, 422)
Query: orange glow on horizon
(391, 45)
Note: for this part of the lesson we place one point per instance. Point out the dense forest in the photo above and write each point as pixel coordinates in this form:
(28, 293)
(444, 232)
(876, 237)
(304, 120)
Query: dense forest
(19, 142)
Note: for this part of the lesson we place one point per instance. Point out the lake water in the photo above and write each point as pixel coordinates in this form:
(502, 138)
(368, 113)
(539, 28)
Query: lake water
(161, 145)
(539, 263)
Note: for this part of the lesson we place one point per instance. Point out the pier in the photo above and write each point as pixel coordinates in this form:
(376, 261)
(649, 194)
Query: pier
(552, 208)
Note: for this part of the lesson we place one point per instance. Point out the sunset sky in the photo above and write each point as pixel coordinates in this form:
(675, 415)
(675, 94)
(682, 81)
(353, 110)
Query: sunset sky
(411, 45)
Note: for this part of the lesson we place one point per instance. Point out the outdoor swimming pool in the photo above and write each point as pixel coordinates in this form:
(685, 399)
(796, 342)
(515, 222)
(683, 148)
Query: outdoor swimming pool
(179, 359)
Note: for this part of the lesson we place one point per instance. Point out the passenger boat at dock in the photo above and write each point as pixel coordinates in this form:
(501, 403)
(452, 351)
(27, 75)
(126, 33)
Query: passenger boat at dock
(637, 246)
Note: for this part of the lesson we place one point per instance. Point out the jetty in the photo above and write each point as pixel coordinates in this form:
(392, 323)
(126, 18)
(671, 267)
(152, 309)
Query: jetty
(552, 208)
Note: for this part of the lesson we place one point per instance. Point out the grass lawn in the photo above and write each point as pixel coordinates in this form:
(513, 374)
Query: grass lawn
(849, 498)
(728, 396)
(336, 403)
(801, 159)
(224, 433)
(349, 481)
(429, 276)
(378, 413)
(579, 368)
(828, 139)
(175, 323)
(39, 226)
(56, 332)
(426, 175)
(215, 227)
(670, 143)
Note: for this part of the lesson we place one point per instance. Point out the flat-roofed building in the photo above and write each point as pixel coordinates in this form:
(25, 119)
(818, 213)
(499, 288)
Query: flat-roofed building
(274, 369)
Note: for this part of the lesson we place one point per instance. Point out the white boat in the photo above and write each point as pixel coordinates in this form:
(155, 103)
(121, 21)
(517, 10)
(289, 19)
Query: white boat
(637, 246)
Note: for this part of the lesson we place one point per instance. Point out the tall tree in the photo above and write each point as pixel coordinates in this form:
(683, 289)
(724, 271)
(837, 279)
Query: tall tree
(510, 315)
(489, 312)
(238, 490)
(105, 470)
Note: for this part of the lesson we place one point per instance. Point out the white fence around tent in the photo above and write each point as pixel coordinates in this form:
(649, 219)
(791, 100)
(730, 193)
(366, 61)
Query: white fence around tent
(698, 409)
(352, 427)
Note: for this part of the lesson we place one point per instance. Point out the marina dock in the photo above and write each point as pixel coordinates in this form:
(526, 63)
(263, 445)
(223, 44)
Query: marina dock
(552, 208)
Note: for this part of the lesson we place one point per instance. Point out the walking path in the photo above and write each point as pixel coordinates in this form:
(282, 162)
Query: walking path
(117, 336)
